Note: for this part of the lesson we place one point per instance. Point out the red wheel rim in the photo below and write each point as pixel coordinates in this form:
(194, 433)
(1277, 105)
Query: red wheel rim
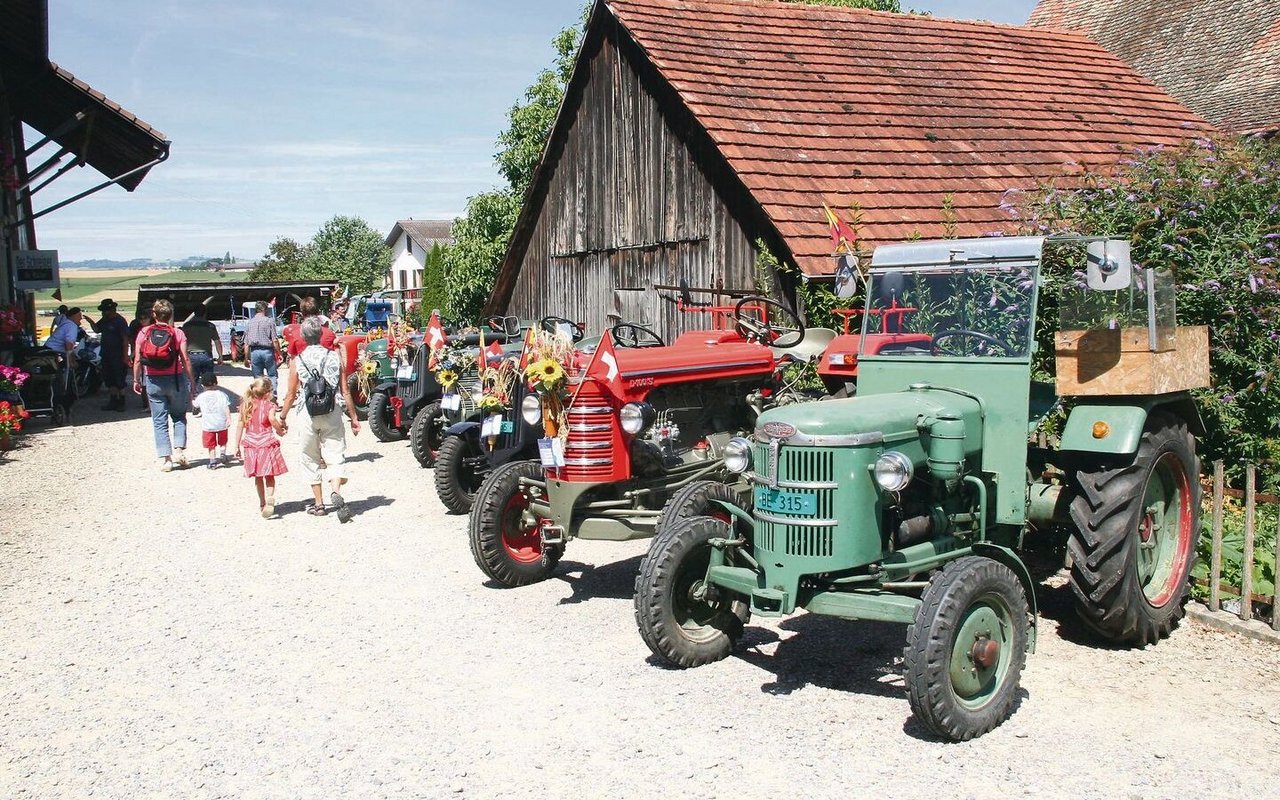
(523, 542)
(1154, 535)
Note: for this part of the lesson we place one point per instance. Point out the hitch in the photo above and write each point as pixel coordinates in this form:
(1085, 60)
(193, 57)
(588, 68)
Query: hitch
(552, 535)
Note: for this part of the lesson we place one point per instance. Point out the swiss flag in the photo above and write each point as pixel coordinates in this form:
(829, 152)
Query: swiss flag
(526, 350)
(603, 368)
(435, 337)
(492, 354)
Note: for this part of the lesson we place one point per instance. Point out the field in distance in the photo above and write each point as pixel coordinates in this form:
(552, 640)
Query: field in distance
(88, 287)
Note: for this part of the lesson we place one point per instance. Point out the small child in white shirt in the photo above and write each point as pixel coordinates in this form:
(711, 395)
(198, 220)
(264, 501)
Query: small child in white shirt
(215, 418)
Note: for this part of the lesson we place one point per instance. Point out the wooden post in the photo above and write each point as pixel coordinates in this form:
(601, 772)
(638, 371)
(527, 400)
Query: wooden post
(1215, 558)
(1246, 568)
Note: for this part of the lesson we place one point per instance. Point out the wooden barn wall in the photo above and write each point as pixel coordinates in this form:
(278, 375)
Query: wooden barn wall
(629, 205)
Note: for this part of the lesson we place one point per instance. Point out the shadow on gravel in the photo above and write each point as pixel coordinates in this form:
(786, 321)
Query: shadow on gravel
(368, 456)
(370, 503)
(616, 581)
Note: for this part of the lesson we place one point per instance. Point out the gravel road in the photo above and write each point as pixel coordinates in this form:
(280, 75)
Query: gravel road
(160, 639)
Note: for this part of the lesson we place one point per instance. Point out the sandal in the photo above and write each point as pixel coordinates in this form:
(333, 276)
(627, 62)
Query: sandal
(269, 509)
(316, 511)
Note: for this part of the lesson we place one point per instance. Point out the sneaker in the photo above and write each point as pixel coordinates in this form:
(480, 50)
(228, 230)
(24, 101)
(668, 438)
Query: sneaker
(166, 465)
(269, 510)
(340, 506)
(213, 463)
(180, 457)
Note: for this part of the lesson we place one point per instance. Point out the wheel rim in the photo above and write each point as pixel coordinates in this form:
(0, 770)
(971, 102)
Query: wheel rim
(1164, 530)
(981, 652)
(522, 541)
(694, 616)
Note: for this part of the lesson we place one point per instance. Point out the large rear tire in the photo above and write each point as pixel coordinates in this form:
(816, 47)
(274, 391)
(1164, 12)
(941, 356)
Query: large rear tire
(1137, 527)
(380, 418)
(426, 434)
(966, 648)
(456, 477)
(505, 543)
(682, 620)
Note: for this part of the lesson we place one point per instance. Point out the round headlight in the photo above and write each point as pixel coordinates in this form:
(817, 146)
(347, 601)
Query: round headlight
(531, 409)
(893, 471)
(635, 417)
(737, 455)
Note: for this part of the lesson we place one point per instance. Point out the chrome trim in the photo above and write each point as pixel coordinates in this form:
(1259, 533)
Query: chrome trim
(588, 462)
(588, 445)
(583, 427)
(584, 410)
(838, 440)
(807, 523)
(762, 481)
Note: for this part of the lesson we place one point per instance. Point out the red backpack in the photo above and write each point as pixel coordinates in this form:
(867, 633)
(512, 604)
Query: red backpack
(159, 347)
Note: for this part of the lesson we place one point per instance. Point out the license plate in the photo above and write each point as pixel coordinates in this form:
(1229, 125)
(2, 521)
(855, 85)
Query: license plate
(785, 502)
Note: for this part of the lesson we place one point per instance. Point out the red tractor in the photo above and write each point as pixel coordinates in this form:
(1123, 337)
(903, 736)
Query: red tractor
(648, 430)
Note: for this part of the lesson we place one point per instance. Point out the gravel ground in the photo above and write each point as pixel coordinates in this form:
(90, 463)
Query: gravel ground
(161, 640)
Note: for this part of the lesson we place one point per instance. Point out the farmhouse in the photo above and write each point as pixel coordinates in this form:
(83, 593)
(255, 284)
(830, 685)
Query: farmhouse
(411, 241)
(1220, 57)
(693, 129)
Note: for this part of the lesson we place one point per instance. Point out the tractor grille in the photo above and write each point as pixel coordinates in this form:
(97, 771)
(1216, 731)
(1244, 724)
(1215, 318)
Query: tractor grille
(593, 451)
(810, 473)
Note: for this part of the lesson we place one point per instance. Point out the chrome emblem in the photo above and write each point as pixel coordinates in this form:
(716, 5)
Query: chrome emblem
(778, 430)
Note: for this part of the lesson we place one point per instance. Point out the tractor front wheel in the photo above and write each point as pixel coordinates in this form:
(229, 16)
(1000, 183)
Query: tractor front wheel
(381, 423)
(683, 620)
(966, 648)
(426, 434)
(456, 473)
(506, 540)
(1136, 530)
(697, 500)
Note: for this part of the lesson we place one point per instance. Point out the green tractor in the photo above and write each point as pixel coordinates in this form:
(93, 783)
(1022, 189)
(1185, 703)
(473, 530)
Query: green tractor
(911, 502)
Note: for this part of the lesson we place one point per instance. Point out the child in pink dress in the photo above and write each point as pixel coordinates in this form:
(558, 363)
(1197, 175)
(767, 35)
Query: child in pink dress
(257, 444)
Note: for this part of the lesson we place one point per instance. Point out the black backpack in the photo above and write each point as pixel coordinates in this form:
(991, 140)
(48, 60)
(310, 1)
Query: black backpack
(318, 395)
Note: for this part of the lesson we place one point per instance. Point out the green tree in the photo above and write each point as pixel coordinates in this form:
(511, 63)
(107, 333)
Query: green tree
(347, 250)
(874, 5)
(283, 262)
(434, 292)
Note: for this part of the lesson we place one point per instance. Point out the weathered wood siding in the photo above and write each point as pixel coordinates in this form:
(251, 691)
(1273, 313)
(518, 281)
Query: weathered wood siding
(631, 203)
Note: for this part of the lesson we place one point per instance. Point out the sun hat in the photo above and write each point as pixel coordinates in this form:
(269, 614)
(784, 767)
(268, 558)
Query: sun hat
(106, 304)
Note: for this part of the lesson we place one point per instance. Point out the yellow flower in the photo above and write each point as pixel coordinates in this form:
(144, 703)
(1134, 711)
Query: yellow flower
(547, 372)
(447, 377)
(369, 368)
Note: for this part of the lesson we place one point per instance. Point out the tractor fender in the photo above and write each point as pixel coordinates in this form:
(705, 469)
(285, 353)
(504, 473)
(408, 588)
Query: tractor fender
(386, 386)
(1010, 559)
(737, 513)
(461, 428)
(1122, 425)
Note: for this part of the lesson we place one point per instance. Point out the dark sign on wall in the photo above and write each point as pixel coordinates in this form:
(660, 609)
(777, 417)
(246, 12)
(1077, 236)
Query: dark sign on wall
(35, 269)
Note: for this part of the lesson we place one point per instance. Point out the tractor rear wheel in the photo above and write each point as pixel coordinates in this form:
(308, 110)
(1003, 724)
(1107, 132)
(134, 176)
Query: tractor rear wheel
(506, 542)
(966, 648)
(358, 397)
(426, 434)
(1136, 531)
(695, 500)
(683, 620)
(381, 423)
(456, 477)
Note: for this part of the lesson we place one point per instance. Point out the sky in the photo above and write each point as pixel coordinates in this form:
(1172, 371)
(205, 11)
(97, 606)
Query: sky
(285, 114)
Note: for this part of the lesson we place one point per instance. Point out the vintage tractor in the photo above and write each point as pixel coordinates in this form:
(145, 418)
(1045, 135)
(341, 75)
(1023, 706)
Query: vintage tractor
(368, 365)
(911, 502)
(645, 432)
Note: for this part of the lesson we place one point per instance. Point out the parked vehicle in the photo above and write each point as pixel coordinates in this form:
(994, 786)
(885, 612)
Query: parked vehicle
(911, 502)
(88, 372)
(50, 391)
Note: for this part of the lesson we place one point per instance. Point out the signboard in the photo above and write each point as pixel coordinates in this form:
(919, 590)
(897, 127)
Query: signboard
(35, 269)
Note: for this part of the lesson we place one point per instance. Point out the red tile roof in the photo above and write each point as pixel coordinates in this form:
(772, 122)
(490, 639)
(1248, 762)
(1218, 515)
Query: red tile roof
(894, 113)
(1220, 57)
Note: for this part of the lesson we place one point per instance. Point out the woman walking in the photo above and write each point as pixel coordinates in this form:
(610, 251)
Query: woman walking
(322, 375)
(162, 350)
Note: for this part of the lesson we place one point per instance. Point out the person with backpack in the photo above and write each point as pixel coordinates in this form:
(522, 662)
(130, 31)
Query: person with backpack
(161, 349)
(320, 375)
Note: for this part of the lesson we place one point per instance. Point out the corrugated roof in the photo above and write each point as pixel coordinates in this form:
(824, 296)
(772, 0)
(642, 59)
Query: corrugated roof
(1220, 57)
(424, 232)
(894, 113)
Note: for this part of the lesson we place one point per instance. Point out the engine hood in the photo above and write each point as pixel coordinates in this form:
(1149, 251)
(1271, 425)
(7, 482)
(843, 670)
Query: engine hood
(867, 419)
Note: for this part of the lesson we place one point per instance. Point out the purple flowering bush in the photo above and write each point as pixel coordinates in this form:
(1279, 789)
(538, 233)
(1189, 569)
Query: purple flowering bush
(1210, 212)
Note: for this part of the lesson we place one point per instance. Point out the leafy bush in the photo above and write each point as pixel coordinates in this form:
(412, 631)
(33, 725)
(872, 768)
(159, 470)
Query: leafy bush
(1210, 212)
(1264, 552)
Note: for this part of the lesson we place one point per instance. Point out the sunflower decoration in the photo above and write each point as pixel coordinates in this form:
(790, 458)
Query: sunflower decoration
(369, 368)
(491, 404)
(447, 378)
(546, 375)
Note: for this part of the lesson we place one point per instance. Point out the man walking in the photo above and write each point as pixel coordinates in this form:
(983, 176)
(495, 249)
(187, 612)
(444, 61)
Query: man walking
(113, 335)
(260, 340)
(203, 341)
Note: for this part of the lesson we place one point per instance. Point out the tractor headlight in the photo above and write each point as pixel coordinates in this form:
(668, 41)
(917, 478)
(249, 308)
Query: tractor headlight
(531, 409)
(635, 417)
(737, 455)
(893, 471)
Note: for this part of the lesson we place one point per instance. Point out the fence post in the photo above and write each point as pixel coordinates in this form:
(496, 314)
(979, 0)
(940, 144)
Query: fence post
(1215, 557)
(1246, 567)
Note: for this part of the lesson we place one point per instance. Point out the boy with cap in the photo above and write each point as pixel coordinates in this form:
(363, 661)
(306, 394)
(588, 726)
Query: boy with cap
(113, 336)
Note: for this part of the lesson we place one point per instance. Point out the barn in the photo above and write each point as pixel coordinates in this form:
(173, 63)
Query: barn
(691, 130)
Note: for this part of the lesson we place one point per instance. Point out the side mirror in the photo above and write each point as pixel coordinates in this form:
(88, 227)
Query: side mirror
(1110, 265)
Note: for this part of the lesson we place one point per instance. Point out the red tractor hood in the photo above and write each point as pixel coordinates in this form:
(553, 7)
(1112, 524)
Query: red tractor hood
(695, 356)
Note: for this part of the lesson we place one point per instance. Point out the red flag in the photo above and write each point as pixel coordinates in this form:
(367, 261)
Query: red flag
(526, 350)
(603, 368)
(842, 236)
(434, 338)
(493, 353)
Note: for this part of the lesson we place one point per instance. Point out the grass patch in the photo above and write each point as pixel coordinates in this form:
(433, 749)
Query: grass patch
(87, 288)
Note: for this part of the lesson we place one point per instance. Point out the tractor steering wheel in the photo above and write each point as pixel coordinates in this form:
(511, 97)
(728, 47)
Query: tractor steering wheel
(629, 334)
(760, 319)
(1005, 349)
(553, 325)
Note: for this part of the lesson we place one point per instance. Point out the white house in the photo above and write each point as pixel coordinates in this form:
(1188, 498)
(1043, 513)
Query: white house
(410, 240)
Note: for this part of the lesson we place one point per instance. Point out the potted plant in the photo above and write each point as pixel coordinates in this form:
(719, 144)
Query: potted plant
(11, 417)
